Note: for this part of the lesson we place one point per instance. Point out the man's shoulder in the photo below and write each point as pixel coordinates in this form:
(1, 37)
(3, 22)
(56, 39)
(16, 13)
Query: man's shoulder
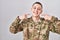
(42, 18)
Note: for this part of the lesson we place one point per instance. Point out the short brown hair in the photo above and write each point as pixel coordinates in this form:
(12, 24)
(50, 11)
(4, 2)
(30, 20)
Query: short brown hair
(37, 3)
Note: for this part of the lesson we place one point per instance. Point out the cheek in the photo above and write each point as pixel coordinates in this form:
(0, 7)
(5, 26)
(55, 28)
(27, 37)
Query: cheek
(33, 10)
(40, 11)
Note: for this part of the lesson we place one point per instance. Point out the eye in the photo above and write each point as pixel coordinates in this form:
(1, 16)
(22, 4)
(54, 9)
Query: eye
(39, 9)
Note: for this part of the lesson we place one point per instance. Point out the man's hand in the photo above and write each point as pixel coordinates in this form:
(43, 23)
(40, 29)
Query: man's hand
(46, 16)
(23, 16)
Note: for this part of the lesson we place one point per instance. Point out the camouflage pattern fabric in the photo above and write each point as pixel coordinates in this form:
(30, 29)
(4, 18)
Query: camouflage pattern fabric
(35, 30)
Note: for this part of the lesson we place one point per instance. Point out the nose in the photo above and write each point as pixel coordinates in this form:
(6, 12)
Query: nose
(36, 9)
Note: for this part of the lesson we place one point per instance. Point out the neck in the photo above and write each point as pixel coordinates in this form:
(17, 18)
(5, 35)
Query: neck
(35, 18)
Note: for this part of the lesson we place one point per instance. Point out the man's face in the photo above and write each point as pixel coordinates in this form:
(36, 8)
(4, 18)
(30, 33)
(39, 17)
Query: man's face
(36, 9)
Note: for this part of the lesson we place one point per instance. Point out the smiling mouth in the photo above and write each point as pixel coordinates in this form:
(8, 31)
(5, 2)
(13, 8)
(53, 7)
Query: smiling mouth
(35, 12)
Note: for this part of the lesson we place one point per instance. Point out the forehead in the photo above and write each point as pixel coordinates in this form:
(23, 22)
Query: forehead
(37, 5)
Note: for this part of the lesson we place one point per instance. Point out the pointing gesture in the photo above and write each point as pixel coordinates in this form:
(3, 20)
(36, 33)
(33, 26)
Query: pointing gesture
(24, 16)
(47, 17)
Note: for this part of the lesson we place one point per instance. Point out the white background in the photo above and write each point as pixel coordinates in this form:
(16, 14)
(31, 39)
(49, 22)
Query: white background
(9, 9)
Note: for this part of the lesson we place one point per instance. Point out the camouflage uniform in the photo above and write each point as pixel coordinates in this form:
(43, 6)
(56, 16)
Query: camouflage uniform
(35, 30)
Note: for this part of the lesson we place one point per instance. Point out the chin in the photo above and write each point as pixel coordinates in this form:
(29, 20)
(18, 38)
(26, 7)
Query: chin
(35, 15)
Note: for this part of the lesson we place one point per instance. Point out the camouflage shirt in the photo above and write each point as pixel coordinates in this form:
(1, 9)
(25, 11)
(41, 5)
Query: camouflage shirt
(35, 30)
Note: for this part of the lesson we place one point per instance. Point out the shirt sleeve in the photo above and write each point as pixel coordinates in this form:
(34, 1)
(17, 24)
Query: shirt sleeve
(55, 25)
(16, 26)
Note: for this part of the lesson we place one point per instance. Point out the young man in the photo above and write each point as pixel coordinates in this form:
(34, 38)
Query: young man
(35, 27)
